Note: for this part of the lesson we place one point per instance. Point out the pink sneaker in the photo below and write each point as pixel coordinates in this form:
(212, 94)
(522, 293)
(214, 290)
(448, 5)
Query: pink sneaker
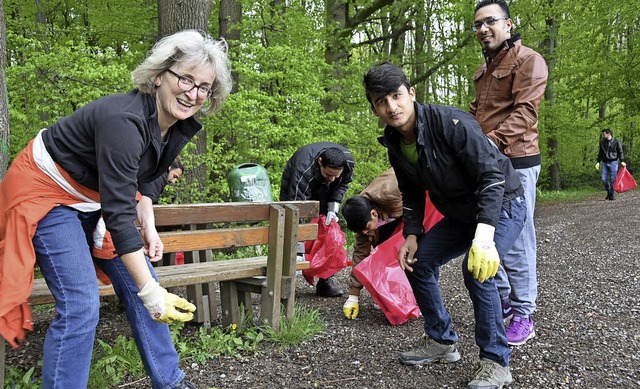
(520, 330)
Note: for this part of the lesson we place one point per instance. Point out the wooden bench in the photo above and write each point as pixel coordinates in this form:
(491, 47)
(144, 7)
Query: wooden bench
(197, 229)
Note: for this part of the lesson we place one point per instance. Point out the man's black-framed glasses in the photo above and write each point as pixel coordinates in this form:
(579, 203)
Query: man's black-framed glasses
(488, 22)
(187, 84)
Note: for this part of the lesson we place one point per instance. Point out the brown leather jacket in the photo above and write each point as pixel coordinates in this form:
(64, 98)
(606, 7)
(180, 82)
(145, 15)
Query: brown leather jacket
(385, 197)
(509, 89)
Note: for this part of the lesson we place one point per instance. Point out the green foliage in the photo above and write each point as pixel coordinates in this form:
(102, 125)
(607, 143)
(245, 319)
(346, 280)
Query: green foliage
(112, 363)
(305, 324)
(19, 379)
(63, 54)
(64, 78)
(209, 343)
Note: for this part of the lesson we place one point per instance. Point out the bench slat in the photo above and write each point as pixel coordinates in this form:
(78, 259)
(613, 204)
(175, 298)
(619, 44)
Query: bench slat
(225, 238)
(181, 275)
(214, 239)
(179, 214)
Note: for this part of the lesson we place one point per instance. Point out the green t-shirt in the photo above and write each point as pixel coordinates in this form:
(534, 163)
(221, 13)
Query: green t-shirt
(410, 151)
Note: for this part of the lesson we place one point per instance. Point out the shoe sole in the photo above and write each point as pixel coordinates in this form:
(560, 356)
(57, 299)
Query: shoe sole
(328, 295)
(520, 343)
(449, 358)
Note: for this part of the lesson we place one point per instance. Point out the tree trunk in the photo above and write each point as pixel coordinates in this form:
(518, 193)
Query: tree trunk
(550, 44)
(174, 16)
(4, 101)
(336, 52)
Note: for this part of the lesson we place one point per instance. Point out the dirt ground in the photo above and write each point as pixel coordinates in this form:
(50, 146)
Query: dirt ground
(586, 322)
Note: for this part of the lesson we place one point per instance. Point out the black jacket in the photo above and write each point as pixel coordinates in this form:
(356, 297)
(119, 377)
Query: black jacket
(610, 150)
(468, 178)
(113, 145)
(302, 180)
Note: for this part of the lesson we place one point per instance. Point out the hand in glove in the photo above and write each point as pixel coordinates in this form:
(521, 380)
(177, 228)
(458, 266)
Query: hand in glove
(351, 307)
(483, 257)
(332, 212)
(163, 306)
(597, 165)
(623, 164)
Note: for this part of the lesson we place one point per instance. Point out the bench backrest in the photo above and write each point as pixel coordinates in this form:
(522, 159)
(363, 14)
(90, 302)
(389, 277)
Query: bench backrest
(200, 232)
(197, 229)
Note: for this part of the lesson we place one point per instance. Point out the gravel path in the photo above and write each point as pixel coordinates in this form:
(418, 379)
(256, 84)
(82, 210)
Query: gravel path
(586, 322)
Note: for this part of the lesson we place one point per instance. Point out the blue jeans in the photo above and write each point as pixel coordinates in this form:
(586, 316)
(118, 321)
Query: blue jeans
(445, 241)
(63, 242)
(516, 278)
(609, 174)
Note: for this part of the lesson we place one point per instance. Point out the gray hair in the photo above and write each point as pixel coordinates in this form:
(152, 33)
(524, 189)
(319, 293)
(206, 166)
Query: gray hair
(194, 48)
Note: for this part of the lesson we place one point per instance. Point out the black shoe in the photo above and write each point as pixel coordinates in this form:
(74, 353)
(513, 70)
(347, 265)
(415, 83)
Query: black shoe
(612, 196)
(186, 385)
(326, 288)
(608, 197)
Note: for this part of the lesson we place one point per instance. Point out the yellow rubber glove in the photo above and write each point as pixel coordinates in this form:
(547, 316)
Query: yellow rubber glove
(351, 307)
(597, 165)
(623, 164)
(163, 306)
(484, 260)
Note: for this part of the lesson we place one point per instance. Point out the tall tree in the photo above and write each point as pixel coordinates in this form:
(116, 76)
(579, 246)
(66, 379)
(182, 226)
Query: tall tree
(550, 44)
(174, 16)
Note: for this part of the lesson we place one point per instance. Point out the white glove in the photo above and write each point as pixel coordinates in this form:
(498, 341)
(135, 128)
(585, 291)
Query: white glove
(332, 212)
(351, 307)
(162, 305)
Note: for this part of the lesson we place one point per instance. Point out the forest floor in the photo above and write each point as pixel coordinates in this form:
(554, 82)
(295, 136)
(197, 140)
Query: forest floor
(587, 321)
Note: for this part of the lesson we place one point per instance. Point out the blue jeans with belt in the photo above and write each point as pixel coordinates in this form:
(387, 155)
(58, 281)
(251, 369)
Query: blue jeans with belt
(63, 242)
(445, 241)
(609, 174)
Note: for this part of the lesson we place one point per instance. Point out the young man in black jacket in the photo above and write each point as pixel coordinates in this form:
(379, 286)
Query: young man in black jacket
(443, 150)
(319, 171)
(609, 154)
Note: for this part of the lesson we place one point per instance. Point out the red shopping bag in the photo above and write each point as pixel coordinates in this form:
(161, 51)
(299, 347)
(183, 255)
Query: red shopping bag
(386, 282)
(381, 275)
(326, 255)
(624, 181)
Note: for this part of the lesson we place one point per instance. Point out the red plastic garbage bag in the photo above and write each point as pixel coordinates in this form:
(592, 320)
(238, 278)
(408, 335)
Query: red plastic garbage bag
(624, 181)
(381, 275)
(326, 255)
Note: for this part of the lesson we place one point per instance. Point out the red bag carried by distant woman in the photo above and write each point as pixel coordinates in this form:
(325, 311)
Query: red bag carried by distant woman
(624, 181)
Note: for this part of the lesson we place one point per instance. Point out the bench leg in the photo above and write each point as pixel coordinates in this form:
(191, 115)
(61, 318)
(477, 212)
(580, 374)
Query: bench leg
(289, 295)
(244, 298)
(229, 303)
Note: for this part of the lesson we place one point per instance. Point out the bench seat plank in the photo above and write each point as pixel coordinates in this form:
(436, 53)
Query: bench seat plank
(181, 275)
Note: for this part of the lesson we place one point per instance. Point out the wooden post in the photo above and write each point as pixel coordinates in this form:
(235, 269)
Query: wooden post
(289, 258)
(270, 307)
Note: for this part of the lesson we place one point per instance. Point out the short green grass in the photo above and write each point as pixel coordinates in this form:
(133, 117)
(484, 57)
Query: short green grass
(568, 195)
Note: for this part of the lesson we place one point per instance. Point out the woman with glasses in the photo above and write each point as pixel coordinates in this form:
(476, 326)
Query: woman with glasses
(105, 160)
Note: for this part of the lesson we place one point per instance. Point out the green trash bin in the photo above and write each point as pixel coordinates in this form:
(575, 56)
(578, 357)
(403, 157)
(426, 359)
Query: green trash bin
(250, 182)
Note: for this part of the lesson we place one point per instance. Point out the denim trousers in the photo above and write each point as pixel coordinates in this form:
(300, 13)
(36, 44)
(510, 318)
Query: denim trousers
(445, 241)
(62, 243)
(516, 278)
(609, 174)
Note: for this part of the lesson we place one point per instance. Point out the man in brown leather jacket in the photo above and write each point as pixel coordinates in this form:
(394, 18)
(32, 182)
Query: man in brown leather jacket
(509, 88)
